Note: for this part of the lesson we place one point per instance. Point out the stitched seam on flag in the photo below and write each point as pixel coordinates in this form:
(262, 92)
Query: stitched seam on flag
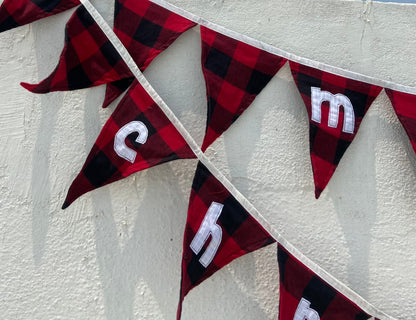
(284, 54)
(346, 291)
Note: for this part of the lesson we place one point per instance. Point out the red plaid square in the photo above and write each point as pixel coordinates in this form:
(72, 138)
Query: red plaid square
(137, 136)
(404, 105)
(304, 295)
(15, 13)
(235, 73)
(336, 107)
(145, 29)
(88, 58)
(218, 230)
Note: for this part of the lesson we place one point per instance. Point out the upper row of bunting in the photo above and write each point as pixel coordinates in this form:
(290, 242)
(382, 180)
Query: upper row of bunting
(235, 73)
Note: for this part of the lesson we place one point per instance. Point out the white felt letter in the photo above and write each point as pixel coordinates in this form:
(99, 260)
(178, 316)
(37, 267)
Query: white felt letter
(305, 312)
(335, 101)
(120, 146)
(208, 227)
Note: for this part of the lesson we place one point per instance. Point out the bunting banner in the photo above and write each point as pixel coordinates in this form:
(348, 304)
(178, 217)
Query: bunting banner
(140, 135)
(137, 136)
(218, 230)
(15, 13)
(305, 296)
(88, 58)
(404, 105)
(331, 128)
(145, 29)
(234, 73)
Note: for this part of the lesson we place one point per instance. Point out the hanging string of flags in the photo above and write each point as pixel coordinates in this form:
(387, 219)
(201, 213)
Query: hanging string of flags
(142, 132)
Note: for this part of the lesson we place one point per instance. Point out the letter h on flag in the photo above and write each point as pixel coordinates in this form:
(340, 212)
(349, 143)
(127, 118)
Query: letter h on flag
(305, 296)
(218, 230)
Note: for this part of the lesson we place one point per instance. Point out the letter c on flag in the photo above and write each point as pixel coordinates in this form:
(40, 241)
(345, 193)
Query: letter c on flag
(120, 146)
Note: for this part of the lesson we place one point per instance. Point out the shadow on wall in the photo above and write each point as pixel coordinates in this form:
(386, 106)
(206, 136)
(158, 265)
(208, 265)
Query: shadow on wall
(40, 180)
(357, 210)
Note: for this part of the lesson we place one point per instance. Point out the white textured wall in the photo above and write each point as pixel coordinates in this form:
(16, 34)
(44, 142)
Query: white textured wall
(115, 253)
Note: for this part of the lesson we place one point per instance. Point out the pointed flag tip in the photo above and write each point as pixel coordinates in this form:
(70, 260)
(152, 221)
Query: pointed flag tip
(29, 87)
(65, 205)
(317, 192)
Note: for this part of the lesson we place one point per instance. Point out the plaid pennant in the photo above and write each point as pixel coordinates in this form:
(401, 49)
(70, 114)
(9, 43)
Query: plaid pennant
(305, 296)
(15, 13)
(145, 29)
(88, 58)
(218, 230)
(404, 105)
(137, 136)
(331, 127)
(235, 73)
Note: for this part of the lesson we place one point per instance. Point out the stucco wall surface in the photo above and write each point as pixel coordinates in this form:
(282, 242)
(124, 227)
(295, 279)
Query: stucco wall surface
(115, 253)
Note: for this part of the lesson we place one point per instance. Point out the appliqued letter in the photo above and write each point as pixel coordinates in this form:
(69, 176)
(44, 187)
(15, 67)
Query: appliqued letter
(335, 101)
(208, 227)
(120, 146)
(305, 312)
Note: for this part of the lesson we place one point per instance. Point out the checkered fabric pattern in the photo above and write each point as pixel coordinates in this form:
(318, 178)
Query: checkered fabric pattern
(328, 144)
(146, 29)
(234, 73)
(404, 105)
(88, 58)
(15, 13)
(241, 233)
(297, 283)
(104, 165)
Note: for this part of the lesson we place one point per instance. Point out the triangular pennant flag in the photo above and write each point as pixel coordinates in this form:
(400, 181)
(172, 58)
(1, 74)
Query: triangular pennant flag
(404, 105)
(15, 13)
(137, 136)
(331, 127)
(234, 73)
(305, 296)
(145, 29)
(218, 230)
(88, 58)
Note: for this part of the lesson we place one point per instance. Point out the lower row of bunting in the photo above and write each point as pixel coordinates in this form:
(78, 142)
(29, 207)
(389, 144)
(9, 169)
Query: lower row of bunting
(219, 230)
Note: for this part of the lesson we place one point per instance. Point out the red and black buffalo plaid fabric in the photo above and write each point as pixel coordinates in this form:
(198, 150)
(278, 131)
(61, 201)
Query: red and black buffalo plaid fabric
(304, 294)
(145, 29)
(236, 231)
(15, 13)
(234, 73)
(88, 58)
(404, 105)
(329, 143)
(137, 136)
